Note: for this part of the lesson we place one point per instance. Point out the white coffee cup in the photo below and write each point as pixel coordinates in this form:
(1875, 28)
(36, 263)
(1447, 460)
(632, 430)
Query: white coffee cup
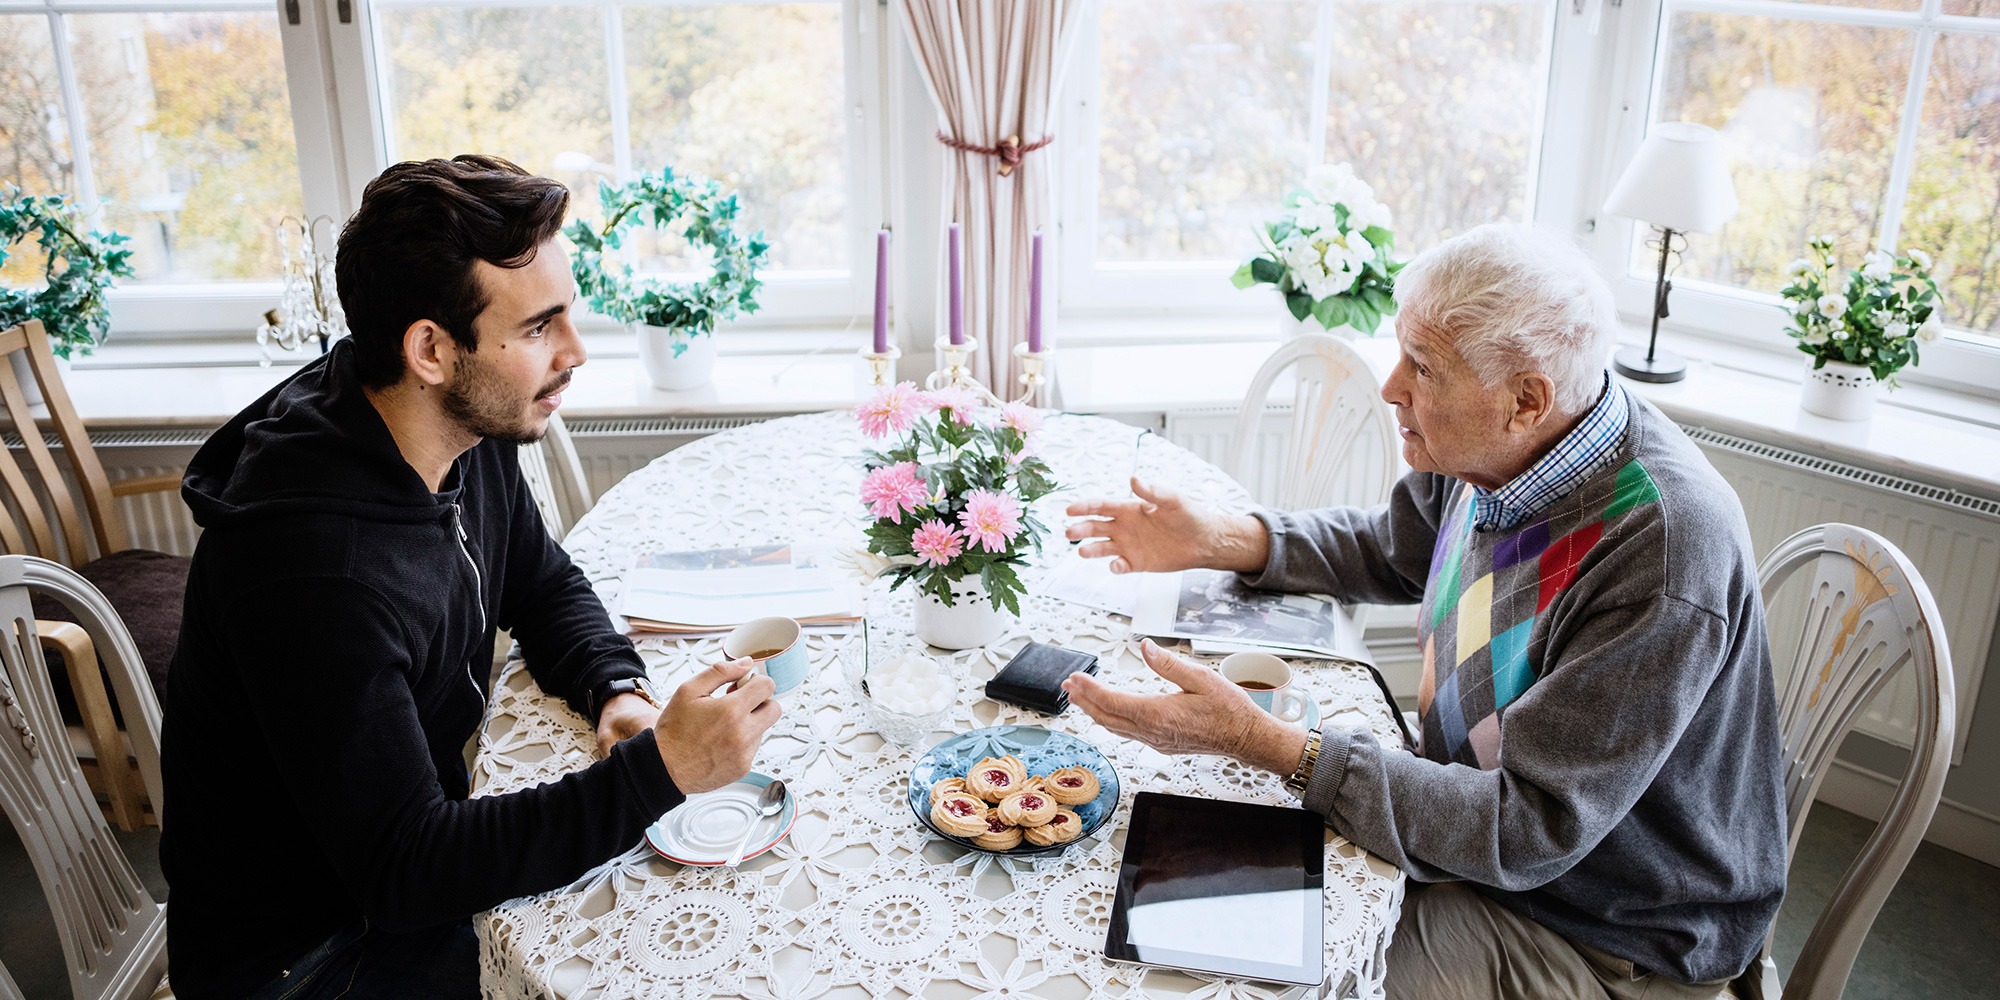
(1268, 682)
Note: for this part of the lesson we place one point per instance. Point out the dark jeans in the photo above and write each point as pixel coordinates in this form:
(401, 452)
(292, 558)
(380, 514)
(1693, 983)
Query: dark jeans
(366, 963)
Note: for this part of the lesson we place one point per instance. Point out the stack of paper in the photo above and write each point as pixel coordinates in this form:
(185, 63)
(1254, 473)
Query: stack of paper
(714, 590)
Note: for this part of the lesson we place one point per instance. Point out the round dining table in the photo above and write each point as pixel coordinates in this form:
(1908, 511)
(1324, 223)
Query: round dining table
(861, 900)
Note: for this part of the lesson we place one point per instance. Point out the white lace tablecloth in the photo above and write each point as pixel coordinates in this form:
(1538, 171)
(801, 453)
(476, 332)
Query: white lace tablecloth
(861, 900)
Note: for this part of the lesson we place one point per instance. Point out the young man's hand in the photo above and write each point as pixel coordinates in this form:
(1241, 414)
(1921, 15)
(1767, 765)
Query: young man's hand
(708, 740)
(625, 715)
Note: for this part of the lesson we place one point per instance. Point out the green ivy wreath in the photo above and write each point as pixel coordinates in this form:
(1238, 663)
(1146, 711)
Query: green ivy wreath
(80, 268)
(662, 199)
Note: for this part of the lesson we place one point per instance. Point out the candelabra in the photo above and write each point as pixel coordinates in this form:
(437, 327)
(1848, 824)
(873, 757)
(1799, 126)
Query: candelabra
(308, 306)
(881, 365)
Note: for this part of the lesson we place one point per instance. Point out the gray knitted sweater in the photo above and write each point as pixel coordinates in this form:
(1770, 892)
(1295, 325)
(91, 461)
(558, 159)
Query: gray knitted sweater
(1599, 744)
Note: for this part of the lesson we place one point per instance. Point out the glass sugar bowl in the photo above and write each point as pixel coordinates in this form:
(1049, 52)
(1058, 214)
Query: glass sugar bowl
(907, 693)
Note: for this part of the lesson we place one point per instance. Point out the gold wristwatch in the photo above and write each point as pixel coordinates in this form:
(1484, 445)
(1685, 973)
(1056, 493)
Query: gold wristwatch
(1303, 774)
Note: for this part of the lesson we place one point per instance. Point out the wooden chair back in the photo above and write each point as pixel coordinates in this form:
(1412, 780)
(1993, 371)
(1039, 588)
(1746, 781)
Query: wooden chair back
(47, 518)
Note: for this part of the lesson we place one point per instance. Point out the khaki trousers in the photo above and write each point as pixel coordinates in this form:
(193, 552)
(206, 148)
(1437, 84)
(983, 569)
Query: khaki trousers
(1454, 943)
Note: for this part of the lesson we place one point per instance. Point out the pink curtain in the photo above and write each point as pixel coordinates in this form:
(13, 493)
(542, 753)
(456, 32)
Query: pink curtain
(993, 67)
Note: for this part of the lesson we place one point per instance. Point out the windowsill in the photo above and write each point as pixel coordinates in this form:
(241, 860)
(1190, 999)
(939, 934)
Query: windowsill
(203, 385)
(1923, 433)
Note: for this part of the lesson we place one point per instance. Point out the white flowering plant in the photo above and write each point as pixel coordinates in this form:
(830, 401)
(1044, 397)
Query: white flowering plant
(1330, 253)
(950, 495)
(1873, 316)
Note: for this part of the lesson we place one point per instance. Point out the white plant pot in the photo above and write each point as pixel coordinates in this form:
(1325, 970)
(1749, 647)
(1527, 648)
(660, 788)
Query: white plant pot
(972, 620)
(1839, 391)
(1289, 327)
(689, 370)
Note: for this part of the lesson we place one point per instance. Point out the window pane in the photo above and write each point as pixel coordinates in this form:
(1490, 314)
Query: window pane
(34, 136)
(1436, 104)
(751, 95)
(191, 144)
(1808, 115)
(1201, 124)
(1973, 8)
(525, 83)
(1953, 209)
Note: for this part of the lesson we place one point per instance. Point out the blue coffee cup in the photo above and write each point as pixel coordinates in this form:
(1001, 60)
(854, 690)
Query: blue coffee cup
(778, 646)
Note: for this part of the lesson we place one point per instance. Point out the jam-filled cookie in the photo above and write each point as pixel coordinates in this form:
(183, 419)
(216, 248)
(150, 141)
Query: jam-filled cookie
(1072, 786)
(1027, 808)
(947, 785)
(959, 814)
(1061, 828)
(999, 835)
(995, 779)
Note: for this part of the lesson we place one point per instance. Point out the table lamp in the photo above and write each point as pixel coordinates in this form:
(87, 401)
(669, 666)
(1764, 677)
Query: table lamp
(1679, 183)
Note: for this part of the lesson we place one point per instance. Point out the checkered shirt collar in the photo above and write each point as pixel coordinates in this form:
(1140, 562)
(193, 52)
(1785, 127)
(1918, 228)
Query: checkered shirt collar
(1585, 451)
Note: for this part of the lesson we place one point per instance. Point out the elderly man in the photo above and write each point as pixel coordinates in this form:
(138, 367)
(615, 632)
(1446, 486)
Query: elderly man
(1594, 806)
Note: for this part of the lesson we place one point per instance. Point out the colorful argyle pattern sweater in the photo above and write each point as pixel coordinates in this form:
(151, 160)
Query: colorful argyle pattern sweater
(1480, 603)
(1599, 740)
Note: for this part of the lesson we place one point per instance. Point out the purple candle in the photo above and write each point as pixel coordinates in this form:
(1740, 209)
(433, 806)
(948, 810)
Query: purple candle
(957, 300)
(1035, 293)
(882, 291)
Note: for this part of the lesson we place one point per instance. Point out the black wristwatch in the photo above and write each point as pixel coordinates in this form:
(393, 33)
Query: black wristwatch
(608, 690)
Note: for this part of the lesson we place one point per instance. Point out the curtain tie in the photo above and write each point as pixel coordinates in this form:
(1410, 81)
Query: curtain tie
(1009, 151)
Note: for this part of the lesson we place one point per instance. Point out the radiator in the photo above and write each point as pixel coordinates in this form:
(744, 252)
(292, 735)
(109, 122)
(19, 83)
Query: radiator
(1952, 538)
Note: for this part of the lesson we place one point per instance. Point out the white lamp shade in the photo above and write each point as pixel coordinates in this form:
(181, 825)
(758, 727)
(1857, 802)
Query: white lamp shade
(1677, 181)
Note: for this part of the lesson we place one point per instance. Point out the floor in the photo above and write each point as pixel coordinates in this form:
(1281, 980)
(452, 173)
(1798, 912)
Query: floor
(1935, 939)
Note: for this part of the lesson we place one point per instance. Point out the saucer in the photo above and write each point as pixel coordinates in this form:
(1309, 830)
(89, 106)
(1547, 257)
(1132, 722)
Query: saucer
(704, 830)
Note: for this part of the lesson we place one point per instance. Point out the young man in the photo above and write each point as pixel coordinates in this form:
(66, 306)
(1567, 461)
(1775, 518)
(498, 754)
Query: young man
(366, 531)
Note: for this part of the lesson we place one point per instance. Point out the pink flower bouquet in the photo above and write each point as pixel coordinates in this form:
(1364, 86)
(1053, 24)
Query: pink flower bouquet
(950, 496)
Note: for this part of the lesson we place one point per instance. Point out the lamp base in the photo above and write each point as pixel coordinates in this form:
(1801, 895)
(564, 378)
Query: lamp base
(1665, 366)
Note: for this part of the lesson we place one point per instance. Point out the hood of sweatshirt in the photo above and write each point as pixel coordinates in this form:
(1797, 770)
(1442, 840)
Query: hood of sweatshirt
(313, 444)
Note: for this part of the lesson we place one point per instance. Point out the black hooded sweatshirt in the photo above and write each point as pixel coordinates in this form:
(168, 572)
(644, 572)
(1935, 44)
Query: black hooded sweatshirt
(334, 650)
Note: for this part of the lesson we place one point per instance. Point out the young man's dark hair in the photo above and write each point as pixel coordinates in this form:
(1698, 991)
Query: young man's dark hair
(408, 253)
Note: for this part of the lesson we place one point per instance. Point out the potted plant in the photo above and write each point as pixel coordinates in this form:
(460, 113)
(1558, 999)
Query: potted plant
(1859, 329)
(675, 321)
(950, 499)
(1329, 254)
(80, 265)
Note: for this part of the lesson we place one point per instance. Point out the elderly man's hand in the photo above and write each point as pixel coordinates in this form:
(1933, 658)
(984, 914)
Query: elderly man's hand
(1208, 715)
(708, 740)
(1161, 533)
(623, 716)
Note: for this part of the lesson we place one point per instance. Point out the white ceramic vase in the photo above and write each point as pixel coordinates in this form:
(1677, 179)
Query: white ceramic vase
(972, 620)
(1839, 391)
(688, 370)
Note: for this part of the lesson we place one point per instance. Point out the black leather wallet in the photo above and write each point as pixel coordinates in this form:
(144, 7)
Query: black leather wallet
(1033, 678)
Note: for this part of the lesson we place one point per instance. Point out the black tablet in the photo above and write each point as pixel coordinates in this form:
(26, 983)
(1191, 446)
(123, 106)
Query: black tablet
(1229, 888)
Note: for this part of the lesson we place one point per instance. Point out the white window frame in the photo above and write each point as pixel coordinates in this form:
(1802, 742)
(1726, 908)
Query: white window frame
(154, 309)
(1091, 290)
(1962, 361)
(342, 143)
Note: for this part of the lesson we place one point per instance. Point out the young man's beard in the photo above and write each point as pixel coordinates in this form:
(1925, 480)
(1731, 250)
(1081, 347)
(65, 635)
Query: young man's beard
(483, 404)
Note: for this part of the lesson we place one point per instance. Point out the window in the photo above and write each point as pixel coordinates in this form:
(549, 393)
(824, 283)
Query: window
(1206, 113)
(1876, 122)
(174, 126)
(751, 94)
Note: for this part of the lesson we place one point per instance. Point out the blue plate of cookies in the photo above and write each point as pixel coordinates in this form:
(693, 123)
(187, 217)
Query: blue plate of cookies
(1013, 790)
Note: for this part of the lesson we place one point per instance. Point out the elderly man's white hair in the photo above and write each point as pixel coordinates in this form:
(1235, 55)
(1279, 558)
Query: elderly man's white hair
(1516, 299)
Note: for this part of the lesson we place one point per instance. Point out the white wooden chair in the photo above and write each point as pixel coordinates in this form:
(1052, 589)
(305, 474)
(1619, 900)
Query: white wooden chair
(1341, 447)
(555, 477)
(114, 935)
(1867, 615)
